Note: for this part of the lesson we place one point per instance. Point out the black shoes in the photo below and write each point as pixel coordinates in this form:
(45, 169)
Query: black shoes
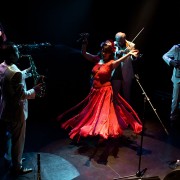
(14, 171)
(24, 170)
(7, 163)
(21, 171)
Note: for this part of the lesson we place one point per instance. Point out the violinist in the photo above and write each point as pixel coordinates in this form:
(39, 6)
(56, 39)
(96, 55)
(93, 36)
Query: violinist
(123, 75)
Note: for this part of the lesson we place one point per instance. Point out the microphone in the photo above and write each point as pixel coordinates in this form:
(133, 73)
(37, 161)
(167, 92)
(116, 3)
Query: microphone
(83, 36)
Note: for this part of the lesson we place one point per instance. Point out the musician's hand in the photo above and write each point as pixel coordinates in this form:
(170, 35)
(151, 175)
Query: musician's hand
(134, 52)
(38, 88)
(175, 63)
(29, 70)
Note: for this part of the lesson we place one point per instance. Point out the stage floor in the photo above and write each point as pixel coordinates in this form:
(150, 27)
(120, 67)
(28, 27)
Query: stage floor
(63, 159)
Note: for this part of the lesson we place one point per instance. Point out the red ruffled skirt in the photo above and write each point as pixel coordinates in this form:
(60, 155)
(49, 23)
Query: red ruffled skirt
(101, 114)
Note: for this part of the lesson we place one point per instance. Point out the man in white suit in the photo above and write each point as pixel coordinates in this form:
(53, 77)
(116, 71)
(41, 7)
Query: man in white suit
(14, 106)
(172, 58)
(123, 76)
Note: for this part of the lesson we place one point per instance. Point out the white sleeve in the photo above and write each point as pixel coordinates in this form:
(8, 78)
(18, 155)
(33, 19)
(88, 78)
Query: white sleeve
(167, 57)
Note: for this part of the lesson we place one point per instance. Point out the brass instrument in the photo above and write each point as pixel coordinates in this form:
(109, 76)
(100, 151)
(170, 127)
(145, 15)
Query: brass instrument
(37, 78)
(27, 48)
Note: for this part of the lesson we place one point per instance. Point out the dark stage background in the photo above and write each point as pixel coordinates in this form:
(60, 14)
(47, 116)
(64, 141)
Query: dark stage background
(67, 73)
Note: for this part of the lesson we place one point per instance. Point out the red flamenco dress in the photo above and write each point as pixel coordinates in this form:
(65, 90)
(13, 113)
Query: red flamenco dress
(101, 113)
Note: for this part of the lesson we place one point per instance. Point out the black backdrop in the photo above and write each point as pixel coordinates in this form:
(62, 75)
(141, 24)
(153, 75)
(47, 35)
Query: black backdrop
(61, 22)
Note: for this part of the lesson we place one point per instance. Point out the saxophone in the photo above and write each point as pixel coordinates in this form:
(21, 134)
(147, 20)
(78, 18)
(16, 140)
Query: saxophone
(37, 78)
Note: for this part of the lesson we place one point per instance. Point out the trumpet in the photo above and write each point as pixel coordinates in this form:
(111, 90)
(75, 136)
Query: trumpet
(37, 77)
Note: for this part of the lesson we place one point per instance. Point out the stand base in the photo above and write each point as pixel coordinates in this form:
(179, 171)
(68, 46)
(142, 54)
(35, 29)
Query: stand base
(138, 176)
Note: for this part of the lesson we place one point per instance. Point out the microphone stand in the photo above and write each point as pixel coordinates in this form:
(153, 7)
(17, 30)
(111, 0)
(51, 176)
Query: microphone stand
(38, 167)
(147, 98)
(140, 172)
